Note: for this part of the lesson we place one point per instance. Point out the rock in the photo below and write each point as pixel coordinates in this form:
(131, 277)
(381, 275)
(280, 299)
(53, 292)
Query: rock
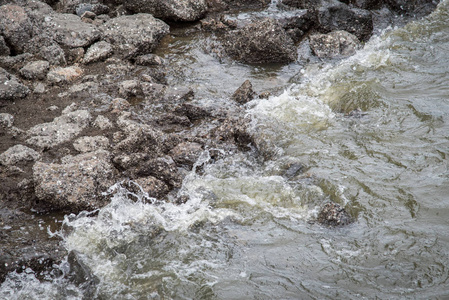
(332, 215)
(365, 4)
(97, 52)
(216, 5)
(39, 88)
(64, 75)
(76, 184)
(419, 7)
(140, 138)
(6, 120)
(186, 154)
(153, 186)
(163, 168)
(35, 70)
(339, 16)
(131, 89)
(10, 87)
(45, 47)
(4, 49)
(302, 4)
(91, 143)
(135, 35)
(103, 123)
(15, 26)
(298, 25)
(62, 129)
(173, 10)
(247, 4)
(149, 60)
(118, 105)
(192, 111)
(96, 8)
(17, 154)
(263, 41)
(81, 275)
(217, 24)
(69, 31)
(244, 93)
(335, 44)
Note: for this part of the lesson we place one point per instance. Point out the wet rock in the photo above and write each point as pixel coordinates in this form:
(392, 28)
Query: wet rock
(103, 123)
(247, 4)
(6, 120)
(178, 94)
(63, 75)
(17, 154)
(35, 70)
(186, 154)
(235, 131)
(15, 26)
(10, 87)
(69, 31)
(91, 143)
(339, 16)
(131, 89)
(135, 35)
(4, 49)
(244, 93)
(216, 5)
(335, 44)
(192, 111)
(97, 52)
(302, 4)
(419, 7)
(332, 215)
(174, 10)
(62, 129)
(151, 185)
(75, 184)
(43, 46)
(163, 168)
(149, 60)
(298, 25)
(82, 275)
(263, 41)
(127, 161)
(365, 4)
(217, 24)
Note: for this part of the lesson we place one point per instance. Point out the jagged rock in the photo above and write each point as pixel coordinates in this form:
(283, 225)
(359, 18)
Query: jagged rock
(91, 143)
(332, 215)
(217, 23)
(43, 46)
(96, 8)
(186, 154)
(335, 44)
(10, 87)
(163, 168)
(154, 187)
(135, 35)
(75, 184)
(103, 123)
(216, 5)
(298, 25)
(131, 88)
(192, 111)
(302, 4)
(174, 10)
(6, 120)
(15, 26)
(97, 52)
(149, 60)
(419, 7)
(18, 153)
(35, 70)
(244, 93)
(339, 16)
(62, 129)
(4, 49)
(64, 75)
(263, 41)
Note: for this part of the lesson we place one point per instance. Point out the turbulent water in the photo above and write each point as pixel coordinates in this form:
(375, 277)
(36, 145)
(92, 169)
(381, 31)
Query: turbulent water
(370, 132)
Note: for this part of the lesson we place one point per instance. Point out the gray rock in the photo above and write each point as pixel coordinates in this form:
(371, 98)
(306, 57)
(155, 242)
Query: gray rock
(118, 105)
(6, 120)
(62, 129)
(302, 4)
(298, 25)
(17, 154)
(96, 8)
(69, 31)
(97, 52)
(154, 187)
(64, 75)
(335, 44)
(244, 93)
(174, 10)
(10, 87)
(418, 7)
(130, 88)
(75, 184)
(35, 70)
(15, 26)
(91, 143)
(339, 16)
(39, 88)
(263, 41)
(136, 34)
(186, 154)
(163, 168)
(103, 123)
(4, 49)
(365, 4)
(332, 215)
(45, 47)
(149, 60)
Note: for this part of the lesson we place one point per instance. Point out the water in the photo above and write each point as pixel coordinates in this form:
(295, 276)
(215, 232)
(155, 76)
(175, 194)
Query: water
(370, 132)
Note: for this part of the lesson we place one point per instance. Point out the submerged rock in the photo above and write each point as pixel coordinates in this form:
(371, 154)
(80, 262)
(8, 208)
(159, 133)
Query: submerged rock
(332, 215)
(174, 10)
(244, 93)
(335, 44)
(263, 41)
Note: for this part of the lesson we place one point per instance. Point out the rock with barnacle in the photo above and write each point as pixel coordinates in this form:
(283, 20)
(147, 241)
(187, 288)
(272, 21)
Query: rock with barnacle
(333, 215)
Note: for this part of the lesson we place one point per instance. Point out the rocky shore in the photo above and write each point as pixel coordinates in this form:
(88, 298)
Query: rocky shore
(85, 103)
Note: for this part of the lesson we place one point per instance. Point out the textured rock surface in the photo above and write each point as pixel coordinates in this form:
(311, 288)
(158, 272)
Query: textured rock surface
(98, 51)
(15, 26)
(335, 44)
(10, 87)
(263, 41)
(35, 70)
(175, 10)
(91, 143)
(63, 75)
(332, 214)
(244, 93)
(77, 183)
(186, 153)
(18, 153)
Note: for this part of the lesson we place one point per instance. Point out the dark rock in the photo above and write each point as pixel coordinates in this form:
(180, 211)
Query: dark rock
(35, 70)
(4, 49)
(186, 154)
(77, 183)
(235, 131)
(135, 35)
(340, 16)
(263, 41)
(297, 26)
(419, 7)
(82, 275)
(302, 4)
(43, 46)
(192, 111)
(332, 215)
(154, 187)
(365, 4)
(335, 44)
(10, 87)
(15, 27)
(244, 93)
(149, 60)
(173, 10)
(217, 24)
(163, 168)
(216, 5)
(247, 4)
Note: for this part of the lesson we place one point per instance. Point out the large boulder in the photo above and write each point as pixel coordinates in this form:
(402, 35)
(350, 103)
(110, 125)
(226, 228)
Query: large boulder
(10, 87)
(174, 10)
(263, 41)
(339, 16)
(136, 34)
(75, 184)
(15, 26)
(335, 44)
